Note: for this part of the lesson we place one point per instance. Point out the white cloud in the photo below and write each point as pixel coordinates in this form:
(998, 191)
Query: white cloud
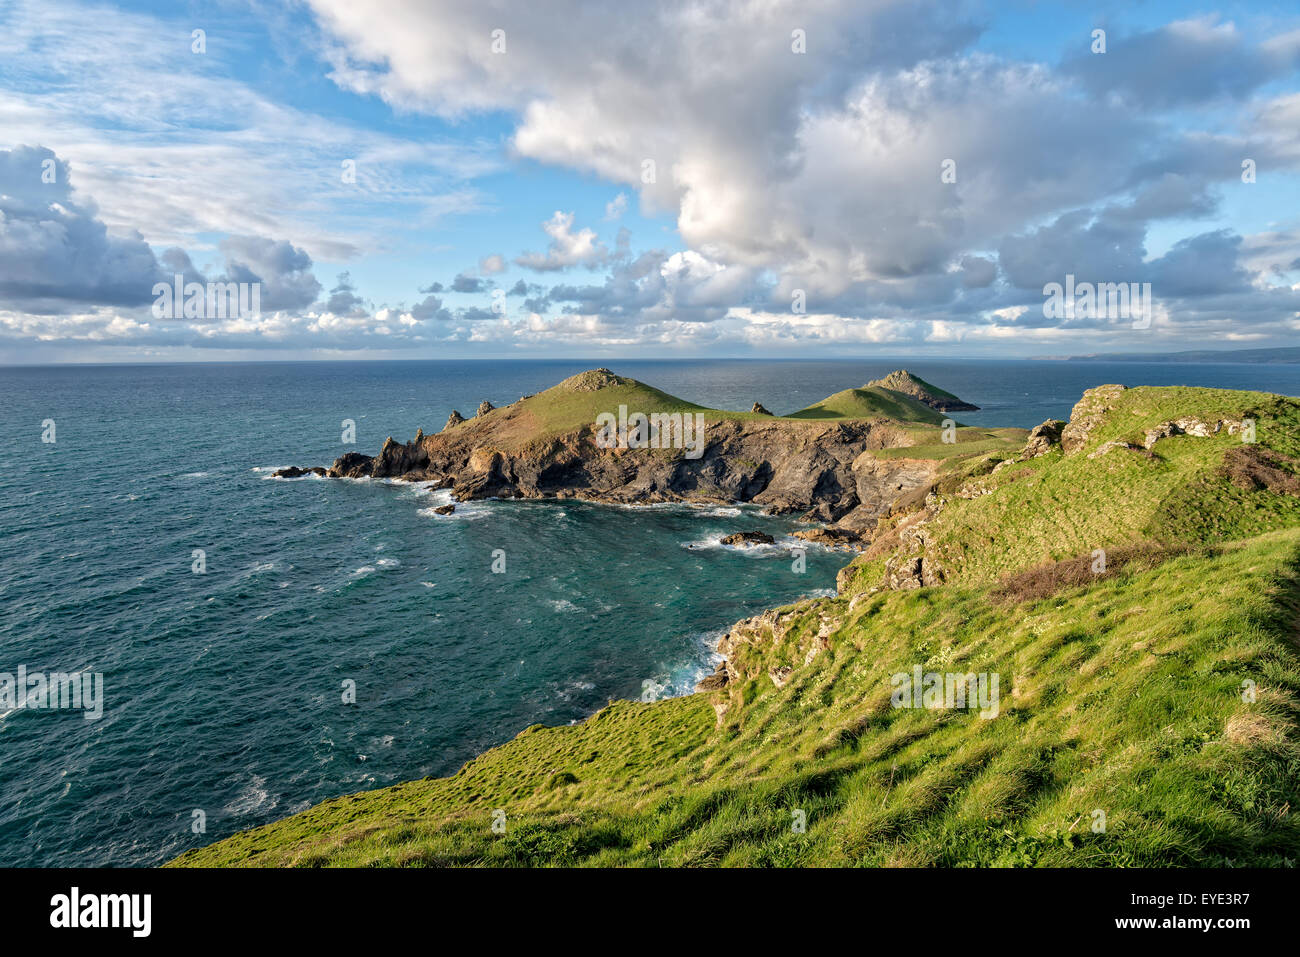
(567, 248)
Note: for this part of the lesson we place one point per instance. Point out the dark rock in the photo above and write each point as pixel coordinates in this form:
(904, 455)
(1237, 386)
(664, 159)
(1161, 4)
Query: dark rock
(444, 510)
(718, 679)
(759, 410)
(291, 472)
(749, 538)
(835, 537)
(351, 465)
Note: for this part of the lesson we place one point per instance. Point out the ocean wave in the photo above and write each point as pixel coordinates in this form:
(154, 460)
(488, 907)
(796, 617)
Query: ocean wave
(778, 549)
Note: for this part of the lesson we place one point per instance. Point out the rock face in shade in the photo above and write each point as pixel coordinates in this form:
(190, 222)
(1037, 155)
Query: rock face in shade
(749, 538)
(1043, 437)
(759, 410)
(903, 381)
(824, 470)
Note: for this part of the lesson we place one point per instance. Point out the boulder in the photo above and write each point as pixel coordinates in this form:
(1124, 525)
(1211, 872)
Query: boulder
(718, 679)
(444, 510)
(1087, 414)
(759, 410)
(484, 408)
(454, 419)
(1043, 437)
(291, 472)
(834, 537)
(749, 538)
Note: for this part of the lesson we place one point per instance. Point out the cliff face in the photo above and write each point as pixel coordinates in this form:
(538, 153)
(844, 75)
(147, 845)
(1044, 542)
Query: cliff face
(823, 469)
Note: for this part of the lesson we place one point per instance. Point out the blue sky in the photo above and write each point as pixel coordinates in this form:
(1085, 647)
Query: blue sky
(501, 205)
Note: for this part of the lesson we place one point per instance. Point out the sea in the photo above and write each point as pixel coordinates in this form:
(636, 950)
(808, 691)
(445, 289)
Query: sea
(266, 644)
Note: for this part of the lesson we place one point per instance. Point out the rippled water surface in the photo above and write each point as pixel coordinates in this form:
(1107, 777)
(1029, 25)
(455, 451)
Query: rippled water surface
(223, 690)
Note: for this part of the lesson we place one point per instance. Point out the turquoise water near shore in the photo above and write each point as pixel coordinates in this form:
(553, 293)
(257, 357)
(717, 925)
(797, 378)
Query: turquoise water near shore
(223, 690)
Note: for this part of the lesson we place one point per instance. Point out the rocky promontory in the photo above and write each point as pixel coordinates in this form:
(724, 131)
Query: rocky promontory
(548, 446)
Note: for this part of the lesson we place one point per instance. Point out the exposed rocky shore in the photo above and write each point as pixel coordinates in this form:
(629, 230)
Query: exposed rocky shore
(822, 470)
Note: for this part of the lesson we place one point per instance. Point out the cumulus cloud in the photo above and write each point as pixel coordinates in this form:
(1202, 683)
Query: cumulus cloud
(567, 248)
(54, 251)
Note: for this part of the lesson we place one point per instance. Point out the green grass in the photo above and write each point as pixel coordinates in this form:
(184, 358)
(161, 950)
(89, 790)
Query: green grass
(871, 402)
(1123, 694)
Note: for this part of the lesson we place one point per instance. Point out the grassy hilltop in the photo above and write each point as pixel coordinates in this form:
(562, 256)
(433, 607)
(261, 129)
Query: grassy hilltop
(1159, 689)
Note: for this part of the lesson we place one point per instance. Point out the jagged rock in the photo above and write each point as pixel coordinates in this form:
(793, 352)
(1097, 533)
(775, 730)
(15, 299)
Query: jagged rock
(780, 676)
(454, 419)
(845, 577)
(749, 538)
(444, 510)
(419, 435)
(905, 572)
(719, 679)
(593, 380)
(351, 465)
(484, 408)
(759, 410)
(291, 472)
(1042, 438)
(319, 470)
(900, 380)
(834, 537)
(1087, 415)
(1190, 426)
(825, 470)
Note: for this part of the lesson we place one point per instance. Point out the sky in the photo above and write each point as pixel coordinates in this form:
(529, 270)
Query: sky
(507, 178)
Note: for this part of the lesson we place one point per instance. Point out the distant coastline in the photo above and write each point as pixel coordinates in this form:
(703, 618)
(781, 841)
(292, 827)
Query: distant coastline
(1284, 356)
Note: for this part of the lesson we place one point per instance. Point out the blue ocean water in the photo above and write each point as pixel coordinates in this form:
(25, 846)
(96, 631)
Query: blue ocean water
(224, 690)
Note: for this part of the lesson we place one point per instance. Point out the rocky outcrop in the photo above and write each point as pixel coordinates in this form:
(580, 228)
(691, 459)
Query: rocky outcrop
(484, 408)
(1087, 414)
(822, 469)
(294, 471)
(1043, 438)
(454, 419)
(748, 538)
(444, 509)
(1190, 425)
(831, 537)
(759, 410)
(900, 380)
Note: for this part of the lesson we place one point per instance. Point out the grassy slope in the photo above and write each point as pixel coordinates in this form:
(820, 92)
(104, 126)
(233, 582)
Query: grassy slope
(558, 411)
(868, 403)
(1057, 506)
(1122, 696)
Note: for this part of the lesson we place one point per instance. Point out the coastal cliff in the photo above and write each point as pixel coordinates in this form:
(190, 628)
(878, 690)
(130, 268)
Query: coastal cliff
(1129, 581)
(819, 463)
